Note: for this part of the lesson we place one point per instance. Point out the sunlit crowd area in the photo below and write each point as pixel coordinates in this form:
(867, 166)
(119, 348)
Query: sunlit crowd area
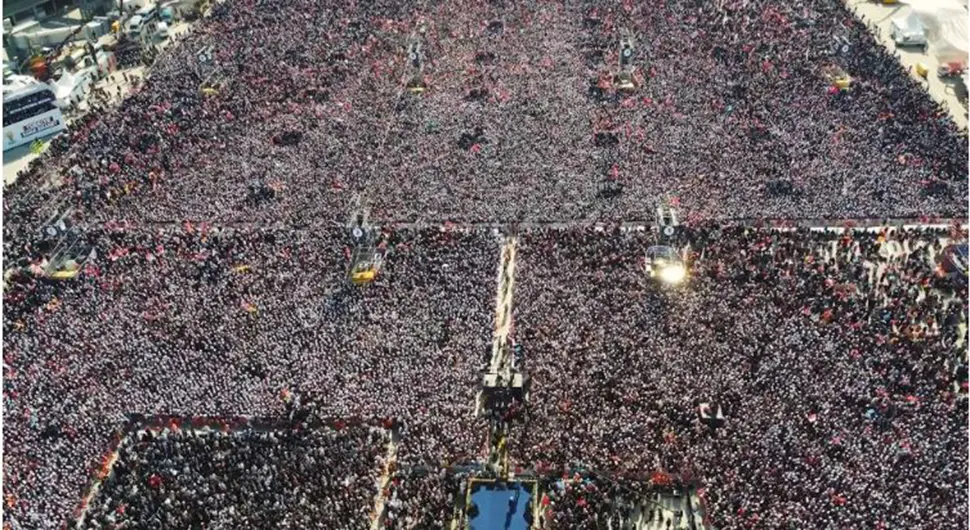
(196, 251)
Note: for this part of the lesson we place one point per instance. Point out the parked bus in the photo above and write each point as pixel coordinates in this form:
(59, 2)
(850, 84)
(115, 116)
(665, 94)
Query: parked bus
(30, 112)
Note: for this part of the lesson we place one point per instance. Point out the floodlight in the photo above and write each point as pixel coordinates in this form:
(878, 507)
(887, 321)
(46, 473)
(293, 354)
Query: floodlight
(673, 273)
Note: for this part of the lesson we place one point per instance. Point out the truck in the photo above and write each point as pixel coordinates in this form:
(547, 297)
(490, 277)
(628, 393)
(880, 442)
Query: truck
(135, 25)
(953, 69)
(130, 6)
(908, 31)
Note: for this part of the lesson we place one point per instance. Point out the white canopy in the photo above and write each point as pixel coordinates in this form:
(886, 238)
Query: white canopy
(909, 25)
(946, 28)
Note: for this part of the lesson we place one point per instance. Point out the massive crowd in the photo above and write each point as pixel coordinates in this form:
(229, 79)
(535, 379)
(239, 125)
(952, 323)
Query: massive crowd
(423, 499)
(220, 323)
(831, 356)
(733, 118)
(294, 478)
(211, 196)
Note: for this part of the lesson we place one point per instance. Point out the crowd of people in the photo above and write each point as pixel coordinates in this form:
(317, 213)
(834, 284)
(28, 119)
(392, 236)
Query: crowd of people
(423, 499)
(212, 193)
(189, 140)
(197, 321)
(584, 502)
(294, 478)
(827, 352)
(830, 355)
(733, 118)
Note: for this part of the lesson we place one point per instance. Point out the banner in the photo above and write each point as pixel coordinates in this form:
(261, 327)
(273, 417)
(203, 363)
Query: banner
(34, 127)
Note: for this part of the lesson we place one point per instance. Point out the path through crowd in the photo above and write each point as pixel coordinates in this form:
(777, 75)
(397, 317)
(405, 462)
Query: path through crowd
(501, 361)
(390, 463)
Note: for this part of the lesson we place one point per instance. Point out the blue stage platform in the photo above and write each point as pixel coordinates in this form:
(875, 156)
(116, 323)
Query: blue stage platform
(495, 511)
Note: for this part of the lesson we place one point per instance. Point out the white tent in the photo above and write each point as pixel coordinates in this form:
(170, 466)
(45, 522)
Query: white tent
(946, 28)
(908, 30)
(69, 88)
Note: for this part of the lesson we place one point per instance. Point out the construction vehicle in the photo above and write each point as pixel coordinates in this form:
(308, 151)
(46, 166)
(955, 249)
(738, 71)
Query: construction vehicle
(45, 62)
(951, 70)
(624, 80)
(837, 77)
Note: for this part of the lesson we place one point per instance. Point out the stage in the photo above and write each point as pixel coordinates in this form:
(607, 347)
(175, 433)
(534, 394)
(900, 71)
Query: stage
(500, 505)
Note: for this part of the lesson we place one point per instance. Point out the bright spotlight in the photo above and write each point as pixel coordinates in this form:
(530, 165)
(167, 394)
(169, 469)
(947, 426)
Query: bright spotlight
(664, 264)
(673, 274)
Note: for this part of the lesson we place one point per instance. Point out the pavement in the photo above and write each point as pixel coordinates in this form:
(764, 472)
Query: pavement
(389, 464)
(16, 159)
(879, 18)
(503, 305)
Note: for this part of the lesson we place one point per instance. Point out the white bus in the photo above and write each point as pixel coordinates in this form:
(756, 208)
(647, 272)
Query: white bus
(30, 112)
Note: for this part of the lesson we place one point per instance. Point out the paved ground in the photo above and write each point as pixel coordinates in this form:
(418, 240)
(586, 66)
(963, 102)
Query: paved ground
(14, 160)
(880, 17)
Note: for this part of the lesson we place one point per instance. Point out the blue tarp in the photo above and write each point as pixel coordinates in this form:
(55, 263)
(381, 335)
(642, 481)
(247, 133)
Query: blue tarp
(495, 509)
